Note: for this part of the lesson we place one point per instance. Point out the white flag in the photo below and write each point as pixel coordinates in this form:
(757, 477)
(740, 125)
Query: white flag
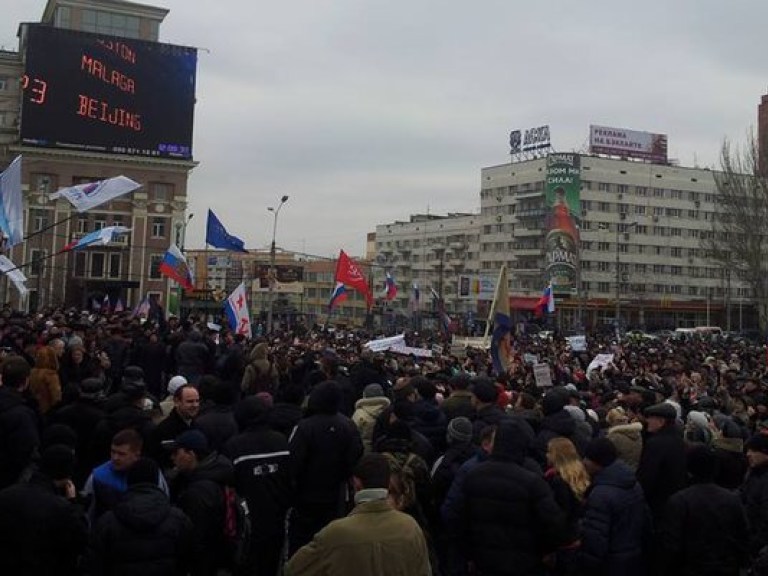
(15, 274)
(100, 237)
(236, 308)
(86, 196)
(11, 211)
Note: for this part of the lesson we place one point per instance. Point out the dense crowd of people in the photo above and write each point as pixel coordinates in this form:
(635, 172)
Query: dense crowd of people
(175, 447)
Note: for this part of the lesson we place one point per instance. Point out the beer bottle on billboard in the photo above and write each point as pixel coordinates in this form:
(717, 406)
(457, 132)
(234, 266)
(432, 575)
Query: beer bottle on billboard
(561, 245)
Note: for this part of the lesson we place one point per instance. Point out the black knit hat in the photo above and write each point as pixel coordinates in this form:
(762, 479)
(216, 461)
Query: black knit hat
(58, 462)
(601, 451)
(459, 430)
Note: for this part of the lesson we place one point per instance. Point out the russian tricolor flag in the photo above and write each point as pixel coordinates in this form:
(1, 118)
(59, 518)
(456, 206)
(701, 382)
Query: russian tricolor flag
(546, 302)
(175, 267)
(338, 295)
(391, 287)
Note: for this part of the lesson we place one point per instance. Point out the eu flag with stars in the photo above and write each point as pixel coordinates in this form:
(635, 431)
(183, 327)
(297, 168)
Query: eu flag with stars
(218, 237)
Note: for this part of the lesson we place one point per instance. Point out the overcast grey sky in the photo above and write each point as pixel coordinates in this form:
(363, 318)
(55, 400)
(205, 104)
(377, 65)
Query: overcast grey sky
(367, 111)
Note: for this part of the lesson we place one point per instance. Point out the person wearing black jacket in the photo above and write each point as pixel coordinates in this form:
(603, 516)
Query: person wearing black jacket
(144, 534)
(754, 492)
(83, 416)
(661, 471)
(216, 419)
(506, 513)
(261, 461)
(19, 435)
(198, 491)
(427, 416)
(43, 530)
(616, 522)
(325, 446)
(705, 528)
(557, 422)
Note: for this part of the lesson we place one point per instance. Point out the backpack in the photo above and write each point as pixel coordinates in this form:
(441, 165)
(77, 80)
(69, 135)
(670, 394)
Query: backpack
(237, 527)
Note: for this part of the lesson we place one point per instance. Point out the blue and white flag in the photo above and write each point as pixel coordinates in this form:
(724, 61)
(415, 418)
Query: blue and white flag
(86, 196)
(236, 308)
(98, 237)
(11, 211)
(14, 274)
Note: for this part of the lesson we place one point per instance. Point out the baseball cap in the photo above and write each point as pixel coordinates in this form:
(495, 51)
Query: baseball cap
(192, 440)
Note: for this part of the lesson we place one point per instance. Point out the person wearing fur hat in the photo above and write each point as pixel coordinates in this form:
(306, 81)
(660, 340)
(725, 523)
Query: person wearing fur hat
(626, 437)
(367, 409)
(661, 470)
(705, 528)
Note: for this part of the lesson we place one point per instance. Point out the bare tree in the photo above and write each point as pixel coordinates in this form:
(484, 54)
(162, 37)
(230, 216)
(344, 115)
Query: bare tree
(738, 240)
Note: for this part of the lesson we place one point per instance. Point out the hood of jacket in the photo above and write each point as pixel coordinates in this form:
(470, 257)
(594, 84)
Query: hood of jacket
(10, 398)
(372, 406)
(633, 431)
(325, 398)
(214, 467)
(259, 352)
(617, 474)
(512, 441)
(143, 507)
(560, 422)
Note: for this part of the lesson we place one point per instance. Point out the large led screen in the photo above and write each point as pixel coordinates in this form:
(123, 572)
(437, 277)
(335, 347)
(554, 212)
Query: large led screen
(99, 93)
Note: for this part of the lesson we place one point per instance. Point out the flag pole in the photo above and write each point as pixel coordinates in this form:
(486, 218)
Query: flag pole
(493, 304)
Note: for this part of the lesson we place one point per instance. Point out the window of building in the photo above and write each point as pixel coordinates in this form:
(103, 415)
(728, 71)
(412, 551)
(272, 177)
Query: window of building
(115, 263)
(659, 250)
(154, 266)
(676, 252)
(676, 194)
(39, 220)
(586, 265)
(82, 225)
(99, 221)
(604, 287)
(586, 185)
(586, 245)
(586, 204)
(603, 246)
(37, 261)
(641, 191)
(162, 192)
(622, 188)
(80, 263)
(585, 287)
(63, 17)
(158, 227)
(658, 192)
(624, 248)
(604, 187)
(676, 232)
(97, 264)
(674, 212)
(111, 24)
(641, 229)
(641, 268)
(658, 211)
(641, 249)
(603, 266)
(676, 270)
(693, 214)
(639, 209)
(603, 206)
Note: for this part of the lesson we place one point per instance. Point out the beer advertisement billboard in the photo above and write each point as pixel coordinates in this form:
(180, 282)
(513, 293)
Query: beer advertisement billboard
(563, 202)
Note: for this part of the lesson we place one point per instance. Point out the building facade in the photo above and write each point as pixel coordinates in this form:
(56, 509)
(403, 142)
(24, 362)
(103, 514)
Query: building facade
(641, 228)
(126, 270)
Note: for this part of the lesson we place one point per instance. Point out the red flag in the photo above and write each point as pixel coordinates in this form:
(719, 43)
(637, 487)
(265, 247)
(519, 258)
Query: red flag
(348, 272)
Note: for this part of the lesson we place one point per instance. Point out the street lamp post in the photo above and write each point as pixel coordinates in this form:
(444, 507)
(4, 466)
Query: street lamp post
(618, 272)
(181, 240)
(272, 275)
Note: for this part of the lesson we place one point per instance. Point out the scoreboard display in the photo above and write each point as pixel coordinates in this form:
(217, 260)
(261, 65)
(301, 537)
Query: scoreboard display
(89, 92)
